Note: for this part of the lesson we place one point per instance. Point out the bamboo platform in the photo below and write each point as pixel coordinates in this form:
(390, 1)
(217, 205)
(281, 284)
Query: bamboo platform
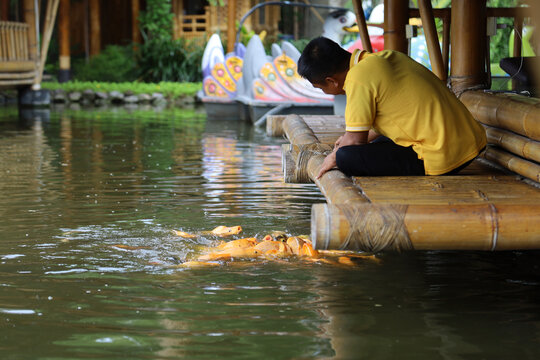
(487, 206)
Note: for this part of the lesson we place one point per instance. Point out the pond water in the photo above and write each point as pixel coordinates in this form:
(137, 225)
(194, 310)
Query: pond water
(75, 183)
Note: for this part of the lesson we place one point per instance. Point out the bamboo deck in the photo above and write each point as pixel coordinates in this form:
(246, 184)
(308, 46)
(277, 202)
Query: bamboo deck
(484, 207)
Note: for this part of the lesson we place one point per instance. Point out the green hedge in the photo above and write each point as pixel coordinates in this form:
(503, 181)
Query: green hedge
(170, 90)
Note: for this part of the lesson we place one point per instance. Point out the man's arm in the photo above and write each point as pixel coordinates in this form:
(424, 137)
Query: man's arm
(349, 138)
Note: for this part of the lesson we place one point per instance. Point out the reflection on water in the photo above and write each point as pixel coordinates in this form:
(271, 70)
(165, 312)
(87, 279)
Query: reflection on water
(74, 184)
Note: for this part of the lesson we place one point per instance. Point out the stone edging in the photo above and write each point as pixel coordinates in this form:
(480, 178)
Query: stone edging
(98, 98)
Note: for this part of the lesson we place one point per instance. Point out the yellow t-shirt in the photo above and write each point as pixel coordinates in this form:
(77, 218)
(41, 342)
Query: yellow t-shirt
(404, 101)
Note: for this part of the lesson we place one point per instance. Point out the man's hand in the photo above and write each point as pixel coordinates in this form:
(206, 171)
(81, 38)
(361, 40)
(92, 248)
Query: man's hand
(328, 164)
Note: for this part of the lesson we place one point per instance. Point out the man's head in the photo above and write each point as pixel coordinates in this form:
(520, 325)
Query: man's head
(325, 65)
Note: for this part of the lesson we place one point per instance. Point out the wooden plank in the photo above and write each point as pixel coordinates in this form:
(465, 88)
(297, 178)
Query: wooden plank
(448, 190)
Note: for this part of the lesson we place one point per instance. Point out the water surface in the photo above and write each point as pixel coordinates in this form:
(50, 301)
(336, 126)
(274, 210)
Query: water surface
(75, 183)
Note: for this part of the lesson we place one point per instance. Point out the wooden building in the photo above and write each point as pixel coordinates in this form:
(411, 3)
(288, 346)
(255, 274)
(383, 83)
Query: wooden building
(85, 27)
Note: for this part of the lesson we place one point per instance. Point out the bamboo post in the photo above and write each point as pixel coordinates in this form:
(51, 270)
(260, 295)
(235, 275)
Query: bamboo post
(362, 25)
(446, 41)
(515, 113)
(468, 45)
(231, 24)
(395, 19)
(516, 144)
(375, 227)
(135, 31)
(64, 41)
(432, 39)
(95, 28)
(513, 163)
(176, 9)
(518, 32)
(52, 8)
(4, 10)
(535, 7)
(30, 19)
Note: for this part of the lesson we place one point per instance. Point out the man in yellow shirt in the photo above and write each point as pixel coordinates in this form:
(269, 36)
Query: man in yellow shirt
(426, 129)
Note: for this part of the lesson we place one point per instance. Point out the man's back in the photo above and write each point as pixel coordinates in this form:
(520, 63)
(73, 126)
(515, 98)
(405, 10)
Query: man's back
(404, 101)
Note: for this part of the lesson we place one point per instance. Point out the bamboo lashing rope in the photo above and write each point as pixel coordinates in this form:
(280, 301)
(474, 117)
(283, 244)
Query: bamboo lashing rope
(374, 228)
(296, 160)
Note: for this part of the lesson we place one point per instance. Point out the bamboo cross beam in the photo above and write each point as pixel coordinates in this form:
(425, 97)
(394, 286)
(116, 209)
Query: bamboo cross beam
(516, 144)
(380, 227)
(511, 112)
(430, 30)
(513, 163)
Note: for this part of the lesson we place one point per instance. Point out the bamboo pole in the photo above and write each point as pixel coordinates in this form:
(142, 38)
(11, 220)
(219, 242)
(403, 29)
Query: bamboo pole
(30, 19)
(395, 19)
(468, 45)
(64, 41)
(515, 113)
(432, 39)
(231, 24)
(362, 25)
(535, 12)
(52, 8)
(14, 82)
(18, 75)
(516, 144)
(177, 10)
(446, 41)
(297, 131)
(4, 10)
(513, 163)
(274, 125)
(95, 28)
(518, 33)
(135, 31)
(374, 227)
(17, 66)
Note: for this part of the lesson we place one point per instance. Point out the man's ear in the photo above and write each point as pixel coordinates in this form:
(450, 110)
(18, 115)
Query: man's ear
(332, 81)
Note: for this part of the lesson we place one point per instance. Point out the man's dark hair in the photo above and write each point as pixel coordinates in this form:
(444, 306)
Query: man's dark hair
(321, 58)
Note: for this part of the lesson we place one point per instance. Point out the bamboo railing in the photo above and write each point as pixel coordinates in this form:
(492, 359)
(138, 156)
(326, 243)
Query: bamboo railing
(13, 41)
(16, 63)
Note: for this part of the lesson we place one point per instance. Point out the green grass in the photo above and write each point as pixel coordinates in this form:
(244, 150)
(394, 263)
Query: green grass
(170, 90)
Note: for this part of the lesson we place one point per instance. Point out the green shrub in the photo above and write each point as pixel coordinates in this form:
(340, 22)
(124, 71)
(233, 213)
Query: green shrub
(161, 58)
(113, 64)
(164, 59)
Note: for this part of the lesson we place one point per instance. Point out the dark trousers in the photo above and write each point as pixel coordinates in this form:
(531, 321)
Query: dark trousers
(381, 157)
